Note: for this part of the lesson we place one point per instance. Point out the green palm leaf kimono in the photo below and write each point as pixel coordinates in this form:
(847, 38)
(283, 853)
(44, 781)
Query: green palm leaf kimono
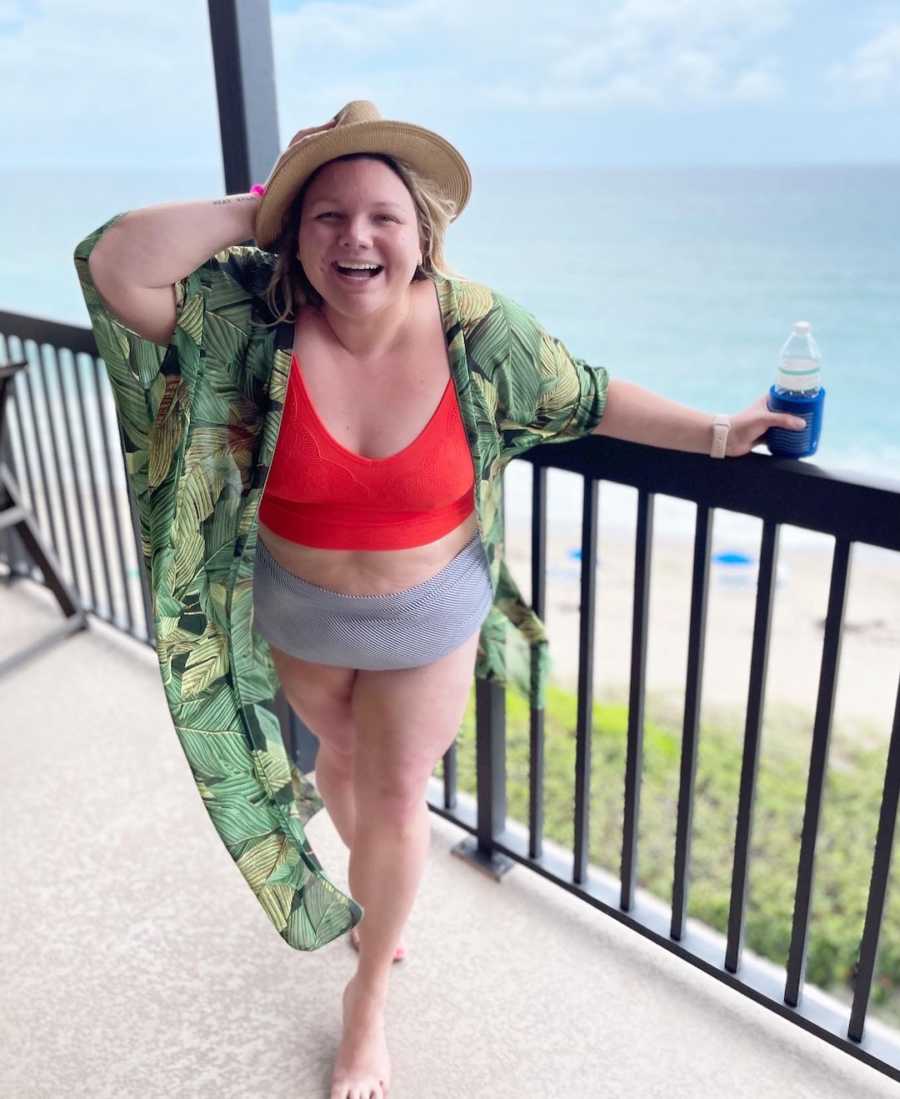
(199, 421)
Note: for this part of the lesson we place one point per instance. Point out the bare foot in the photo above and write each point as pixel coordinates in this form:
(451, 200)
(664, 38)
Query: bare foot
(399, 950)
(362, 1068)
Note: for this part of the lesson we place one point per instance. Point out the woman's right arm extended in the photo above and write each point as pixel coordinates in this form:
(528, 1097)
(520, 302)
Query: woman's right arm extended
(137, 261)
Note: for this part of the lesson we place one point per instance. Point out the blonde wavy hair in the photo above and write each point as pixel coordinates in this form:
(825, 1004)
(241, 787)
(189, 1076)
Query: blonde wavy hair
(289, 287)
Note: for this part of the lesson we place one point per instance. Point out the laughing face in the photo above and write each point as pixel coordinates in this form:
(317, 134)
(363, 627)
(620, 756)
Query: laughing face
(358, 240)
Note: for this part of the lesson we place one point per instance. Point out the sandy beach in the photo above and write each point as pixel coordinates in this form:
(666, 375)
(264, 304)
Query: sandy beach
(870, 652)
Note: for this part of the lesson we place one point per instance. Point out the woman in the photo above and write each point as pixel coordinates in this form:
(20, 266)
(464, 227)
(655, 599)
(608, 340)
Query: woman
(358, 563)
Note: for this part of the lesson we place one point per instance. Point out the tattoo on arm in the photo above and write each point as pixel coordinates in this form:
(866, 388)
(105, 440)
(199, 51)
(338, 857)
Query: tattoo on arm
(234, 198)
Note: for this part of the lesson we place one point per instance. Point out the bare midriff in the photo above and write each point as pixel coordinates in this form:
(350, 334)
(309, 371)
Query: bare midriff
(402, 392)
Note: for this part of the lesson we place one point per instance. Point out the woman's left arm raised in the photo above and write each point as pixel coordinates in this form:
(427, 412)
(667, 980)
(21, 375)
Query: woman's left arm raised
(641, 416)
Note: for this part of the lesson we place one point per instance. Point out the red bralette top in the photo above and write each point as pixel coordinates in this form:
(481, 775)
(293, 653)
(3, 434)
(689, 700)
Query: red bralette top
(319, 493)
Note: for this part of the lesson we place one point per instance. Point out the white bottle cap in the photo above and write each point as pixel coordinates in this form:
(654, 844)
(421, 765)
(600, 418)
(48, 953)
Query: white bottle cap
(802, 327)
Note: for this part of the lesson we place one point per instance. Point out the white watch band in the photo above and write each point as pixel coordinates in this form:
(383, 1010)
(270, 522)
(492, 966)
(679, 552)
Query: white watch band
(721, 427)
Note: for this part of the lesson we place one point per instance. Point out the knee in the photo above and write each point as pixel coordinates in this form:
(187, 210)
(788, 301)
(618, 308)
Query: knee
(393, 800)
(330, 721)
(336, 758)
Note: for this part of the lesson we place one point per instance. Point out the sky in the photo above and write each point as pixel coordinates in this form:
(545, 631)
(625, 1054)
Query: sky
(512, 83)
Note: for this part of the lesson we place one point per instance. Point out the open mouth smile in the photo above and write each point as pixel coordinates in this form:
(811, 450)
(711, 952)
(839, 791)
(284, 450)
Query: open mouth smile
(357, 272)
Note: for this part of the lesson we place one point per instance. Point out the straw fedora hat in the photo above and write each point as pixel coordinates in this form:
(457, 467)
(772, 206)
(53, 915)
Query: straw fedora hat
(359, 128)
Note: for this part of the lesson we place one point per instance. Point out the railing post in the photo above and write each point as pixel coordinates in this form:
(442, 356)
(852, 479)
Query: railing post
(490, 779)
(241, 36)
(490, 769)
(11, 549)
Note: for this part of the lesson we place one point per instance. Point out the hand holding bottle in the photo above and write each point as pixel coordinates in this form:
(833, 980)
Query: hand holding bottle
(751, 427)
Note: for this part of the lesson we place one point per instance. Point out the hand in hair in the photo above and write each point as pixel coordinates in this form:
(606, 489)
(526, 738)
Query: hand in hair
(301, 134)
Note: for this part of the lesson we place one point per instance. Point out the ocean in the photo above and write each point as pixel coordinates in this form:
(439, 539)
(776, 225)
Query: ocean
(683, 280)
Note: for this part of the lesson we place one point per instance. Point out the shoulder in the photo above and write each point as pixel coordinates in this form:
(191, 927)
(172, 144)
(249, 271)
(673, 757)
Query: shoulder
(498, 321)
(486, 313)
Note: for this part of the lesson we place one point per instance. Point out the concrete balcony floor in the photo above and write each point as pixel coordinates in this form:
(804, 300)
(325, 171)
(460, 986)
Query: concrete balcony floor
(136, 961)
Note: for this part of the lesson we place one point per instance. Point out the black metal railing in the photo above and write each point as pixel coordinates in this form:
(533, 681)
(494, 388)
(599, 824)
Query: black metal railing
(65, 451)
(851, 508)
(61, 450)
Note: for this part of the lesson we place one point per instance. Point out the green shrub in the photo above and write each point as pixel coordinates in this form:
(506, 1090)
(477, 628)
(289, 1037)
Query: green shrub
(844, 851)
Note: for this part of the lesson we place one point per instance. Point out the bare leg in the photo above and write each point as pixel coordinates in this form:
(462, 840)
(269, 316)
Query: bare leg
(410, 717)
(386, 865)
(334, 781)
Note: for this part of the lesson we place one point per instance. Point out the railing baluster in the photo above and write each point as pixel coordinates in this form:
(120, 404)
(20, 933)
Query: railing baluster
(693, 686)
(7, 456)
(72, 466)
(881, 875)
(54, 447)
(759, 659)
(818, 763)
(98, 523)
(536, 717)
(586, 621)
(113, 496)
(13, 409)
(450, 776)
(643, 544)
(50, 512)
(490, 763)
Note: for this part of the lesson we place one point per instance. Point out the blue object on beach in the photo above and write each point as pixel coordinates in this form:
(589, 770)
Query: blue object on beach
(732, 557)
(739, 569)
(574, 554)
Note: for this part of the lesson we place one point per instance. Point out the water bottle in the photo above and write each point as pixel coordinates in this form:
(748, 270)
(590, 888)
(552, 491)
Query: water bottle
(798, 390)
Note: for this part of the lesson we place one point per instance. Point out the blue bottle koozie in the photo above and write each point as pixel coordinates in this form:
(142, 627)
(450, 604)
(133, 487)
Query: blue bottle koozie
(798, 390)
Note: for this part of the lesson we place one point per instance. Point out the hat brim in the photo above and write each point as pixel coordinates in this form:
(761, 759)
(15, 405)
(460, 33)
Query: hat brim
(426, 151)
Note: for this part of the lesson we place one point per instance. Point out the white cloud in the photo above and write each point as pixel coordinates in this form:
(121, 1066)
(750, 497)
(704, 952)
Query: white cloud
(361, 30)
(558, 98)
(873, 72)
(11, 11)
(102, 81)
(682, 20)
(662, 52)
(698, 73)
(757, 86)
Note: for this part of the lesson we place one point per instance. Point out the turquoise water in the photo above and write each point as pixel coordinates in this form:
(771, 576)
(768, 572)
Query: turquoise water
(683, 280)
(687, 282)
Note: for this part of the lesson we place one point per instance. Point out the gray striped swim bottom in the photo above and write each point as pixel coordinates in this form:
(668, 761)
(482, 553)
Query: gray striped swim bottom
(402, 629)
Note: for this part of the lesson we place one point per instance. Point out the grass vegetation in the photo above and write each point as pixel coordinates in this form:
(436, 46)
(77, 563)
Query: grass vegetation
(845, 847)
